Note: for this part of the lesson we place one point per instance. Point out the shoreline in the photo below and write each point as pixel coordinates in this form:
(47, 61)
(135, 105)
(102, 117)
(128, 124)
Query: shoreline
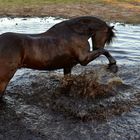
(110, 12)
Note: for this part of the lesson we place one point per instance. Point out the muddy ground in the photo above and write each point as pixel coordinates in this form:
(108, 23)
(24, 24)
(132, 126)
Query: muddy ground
(93, 104)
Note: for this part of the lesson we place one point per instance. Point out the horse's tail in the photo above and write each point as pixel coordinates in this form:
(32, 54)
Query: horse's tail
(111, 34)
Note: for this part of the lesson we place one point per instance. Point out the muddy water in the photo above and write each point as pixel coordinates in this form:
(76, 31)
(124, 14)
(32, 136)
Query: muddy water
(92, 104)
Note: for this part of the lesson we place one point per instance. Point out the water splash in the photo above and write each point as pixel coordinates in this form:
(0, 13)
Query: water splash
(44, 105)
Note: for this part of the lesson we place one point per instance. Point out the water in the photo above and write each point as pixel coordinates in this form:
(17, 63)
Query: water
(125, 48)
(127, 44)
(42, 105)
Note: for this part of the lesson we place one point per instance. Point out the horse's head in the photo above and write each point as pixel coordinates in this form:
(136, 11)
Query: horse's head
(102, 37)
(93, 27)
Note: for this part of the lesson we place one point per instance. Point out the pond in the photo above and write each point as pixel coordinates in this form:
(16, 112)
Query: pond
(125, 48)
(42, 105)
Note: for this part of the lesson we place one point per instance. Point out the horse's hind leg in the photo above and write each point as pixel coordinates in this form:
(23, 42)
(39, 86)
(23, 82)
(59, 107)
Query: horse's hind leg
(3, 85)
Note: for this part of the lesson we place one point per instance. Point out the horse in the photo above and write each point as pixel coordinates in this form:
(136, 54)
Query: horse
(63, 46)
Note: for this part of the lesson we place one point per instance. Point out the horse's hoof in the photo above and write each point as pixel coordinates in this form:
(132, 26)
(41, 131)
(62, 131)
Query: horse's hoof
(113, 68)
(2, 101)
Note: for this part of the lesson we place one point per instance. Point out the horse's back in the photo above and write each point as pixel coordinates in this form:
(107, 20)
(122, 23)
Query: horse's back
(10, 41)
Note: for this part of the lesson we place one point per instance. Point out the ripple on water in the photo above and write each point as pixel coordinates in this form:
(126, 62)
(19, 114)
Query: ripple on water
(44, 105)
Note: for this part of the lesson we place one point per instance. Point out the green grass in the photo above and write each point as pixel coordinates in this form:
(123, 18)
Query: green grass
(31, 3)
(38, 2)
(130, 1)
(13, 2)
(42, 2)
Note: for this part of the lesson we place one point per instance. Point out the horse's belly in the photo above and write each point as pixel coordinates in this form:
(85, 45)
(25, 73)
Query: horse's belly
(63, 61)
(50, 64)
(60, 63)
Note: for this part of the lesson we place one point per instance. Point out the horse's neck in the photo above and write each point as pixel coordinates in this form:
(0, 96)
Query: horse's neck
(64, 32)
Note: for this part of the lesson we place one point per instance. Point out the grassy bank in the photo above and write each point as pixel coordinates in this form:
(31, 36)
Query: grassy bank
(111, 10)
(63, 1)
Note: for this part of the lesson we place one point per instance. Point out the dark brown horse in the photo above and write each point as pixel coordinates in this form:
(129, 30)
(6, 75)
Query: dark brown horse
(62, 46)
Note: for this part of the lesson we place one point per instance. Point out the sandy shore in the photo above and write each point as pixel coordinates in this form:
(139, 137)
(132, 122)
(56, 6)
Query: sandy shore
(116, 12)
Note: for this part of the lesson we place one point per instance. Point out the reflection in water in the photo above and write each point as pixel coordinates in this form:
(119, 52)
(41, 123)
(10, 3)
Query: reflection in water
(43, 105)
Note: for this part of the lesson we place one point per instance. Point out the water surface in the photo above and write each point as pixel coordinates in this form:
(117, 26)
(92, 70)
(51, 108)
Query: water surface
(125, 48)
(42, 105)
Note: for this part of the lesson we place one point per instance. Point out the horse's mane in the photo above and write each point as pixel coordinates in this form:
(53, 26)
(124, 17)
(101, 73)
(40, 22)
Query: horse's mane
(98, 24)
(76, 23)
(111, 35)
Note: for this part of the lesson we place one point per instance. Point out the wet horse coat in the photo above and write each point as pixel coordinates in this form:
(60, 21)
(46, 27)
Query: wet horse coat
(62, 46)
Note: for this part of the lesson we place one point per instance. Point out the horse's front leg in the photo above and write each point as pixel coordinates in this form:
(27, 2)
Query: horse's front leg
(67, 71)
(112, 62)
(86, 57)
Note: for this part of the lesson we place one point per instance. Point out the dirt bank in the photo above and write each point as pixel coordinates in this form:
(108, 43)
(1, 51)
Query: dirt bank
(110, 11)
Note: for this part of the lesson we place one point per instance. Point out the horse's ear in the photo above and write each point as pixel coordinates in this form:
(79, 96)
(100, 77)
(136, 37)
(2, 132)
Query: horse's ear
(112, 27)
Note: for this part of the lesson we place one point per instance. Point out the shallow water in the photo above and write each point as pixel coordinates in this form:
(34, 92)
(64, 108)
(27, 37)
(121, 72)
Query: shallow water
(125, 48)
(43, 105)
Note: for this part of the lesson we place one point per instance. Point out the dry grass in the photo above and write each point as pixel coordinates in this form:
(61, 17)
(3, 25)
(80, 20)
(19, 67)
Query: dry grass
(110, 10)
